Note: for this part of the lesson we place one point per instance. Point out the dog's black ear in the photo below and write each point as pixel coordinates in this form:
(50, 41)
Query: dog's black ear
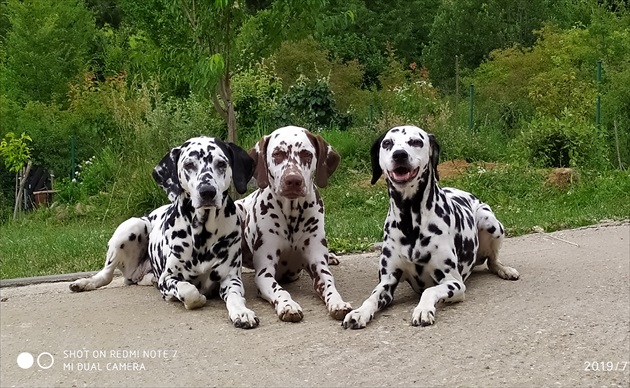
(435, 156)
(242, 167)
(165, 174)
(327, 159)
(375, 151)
(259, 154)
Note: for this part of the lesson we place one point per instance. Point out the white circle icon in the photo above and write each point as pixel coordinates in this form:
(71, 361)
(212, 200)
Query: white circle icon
(25, 360)
(40, 360)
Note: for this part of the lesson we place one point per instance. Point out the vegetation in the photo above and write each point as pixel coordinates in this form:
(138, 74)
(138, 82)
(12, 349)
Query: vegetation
(101, 89)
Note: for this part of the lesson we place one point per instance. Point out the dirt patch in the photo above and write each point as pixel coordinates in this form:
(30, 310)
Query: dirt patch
(562, 177)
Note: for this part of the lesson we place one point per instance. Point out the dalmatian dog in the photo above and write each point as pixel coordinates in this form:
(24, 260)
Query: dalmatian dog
(283, 228)
(191, 247)
(433, 237)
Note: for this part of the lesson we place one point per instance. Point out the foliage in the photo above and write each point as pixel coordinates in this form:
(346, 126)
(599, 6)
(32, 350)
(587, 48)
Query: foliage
(565, 142)
(47, 47)
(15, 151)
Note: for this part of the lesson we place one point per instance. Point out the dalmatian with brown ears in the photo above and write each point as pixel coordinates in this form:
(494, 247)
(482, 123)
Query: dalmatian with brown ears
(283, 220)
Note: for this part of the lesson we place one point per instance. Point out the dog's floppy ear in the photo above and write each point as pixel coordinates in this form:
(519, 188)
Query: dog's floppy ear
(241, 163)
(327, 159)
(377, 171)
(165, 174)
(259, 155)
(435, 156)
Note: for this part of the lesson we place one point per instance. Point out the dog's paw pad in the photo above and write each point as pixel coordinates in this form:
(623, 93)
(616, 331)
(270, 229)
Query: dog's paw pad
(246, 320)
(80, 285)
(291, 312)
(355, 319)
(423, 318)
(339, 310)
(333, 259)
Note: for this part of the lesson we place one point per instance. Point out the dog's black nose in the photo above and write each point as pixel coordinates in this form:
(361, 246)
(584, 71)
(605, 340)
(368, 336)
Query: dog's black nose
(207, 192)
(400, 156)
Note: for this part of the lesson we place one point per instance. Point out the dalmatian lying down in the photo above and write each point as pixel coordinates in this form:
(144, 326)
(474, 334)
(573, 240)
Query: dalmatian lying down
(191, 247)
(433, 237)
(283, 228)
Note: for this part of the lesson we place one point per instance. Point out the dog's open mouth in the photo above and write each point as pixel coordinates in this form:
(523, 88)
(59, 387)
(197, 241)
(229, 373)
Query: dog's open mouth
(403, 174)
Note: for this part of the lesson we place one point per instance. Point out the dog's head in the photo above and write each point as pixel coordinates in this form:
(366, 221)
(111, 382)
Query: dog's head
(289, 158)
(202, 169)
(404, 153)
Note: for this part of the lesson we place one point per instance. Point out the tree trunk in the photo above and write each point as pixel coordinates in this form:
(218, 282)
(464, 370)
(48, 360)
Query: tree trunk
(18, 197)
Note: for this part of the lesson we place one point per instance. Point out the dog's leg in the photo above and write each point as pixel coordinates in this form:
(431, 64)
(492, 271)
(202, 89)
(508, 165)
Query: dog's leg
(324, 285)
(233, 293)
(381, 297)
(171, 287)
(269, 288)
(449, 290)
(127, 250)
(491, 236)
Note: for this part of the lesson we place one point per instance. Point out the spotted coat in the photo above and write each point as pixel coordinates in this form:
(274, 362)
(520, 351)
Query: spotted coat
(190, 248)
(433, 237)
(283, 224)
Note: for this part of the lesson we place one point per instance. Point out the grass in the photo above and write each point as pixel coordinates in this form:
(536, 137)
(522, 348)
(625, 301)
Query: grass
(73, 238)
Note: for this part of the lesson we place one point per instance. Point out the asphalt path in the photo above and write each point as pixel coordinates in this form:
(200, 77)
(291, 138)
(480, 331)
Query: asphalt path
(565, 323)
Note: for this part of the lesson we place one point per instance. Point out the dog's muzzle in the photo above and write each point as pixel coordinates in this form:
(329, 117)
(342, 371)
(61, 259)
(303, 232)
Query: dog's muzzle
(207, 195)
(402, 171)
(292, 184)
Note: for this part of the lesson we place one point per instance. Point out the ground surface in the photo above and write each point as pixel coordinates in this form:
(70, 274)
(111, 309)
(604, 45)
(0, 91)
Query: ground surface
(559, 326)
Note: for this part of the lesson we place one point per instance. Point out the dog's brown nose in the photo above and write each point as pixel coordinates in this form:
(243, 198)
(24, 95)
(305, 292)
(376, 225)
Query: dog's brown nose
(294, 181)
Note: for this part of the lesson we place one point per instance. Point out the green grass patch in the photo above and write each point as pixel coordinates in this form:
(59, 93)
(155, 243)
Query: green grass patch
(71, 239)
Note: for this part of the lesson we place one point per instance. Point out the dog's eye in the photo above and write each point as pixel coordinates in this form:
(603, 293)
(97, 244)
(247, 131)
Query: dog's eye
(387, 144)
(221, 164)
(278, 156)
(305, 156)
(189, 165)
(416, 143)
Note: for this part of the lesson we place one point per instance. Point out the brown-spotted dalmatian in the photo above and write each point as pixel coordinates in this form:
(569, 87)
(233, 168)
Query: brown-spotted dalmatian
(191, 247)
(284, 219)
(433, 237)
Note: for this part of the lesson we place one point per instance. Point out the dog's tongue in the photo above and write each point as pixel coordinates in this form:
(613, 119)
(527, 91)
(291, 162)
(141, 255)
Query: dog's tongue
(401, 174)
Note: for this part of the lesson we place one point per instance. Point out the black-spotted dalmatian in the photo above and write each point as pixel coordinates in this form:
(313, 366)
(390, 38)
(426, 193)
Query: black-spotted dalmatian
(433, 237)
(284, 219)
(191, 247)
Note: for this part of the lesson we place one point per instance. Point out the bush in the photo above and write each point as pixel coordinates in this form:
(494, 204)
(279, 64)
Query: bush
(566, 142)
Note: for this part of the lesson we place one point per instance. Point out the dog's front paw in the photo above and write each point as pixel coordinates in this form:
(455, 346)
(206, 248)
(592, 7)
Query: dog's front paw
(246, 319)
(356, 319)
(290, 312)
(423, 316)
(190, 296)
(339, 310)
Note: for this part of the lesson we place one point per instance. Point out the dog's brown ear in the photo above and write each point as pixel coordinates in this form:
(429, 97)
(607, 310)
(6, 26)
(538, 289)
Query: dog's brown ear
(435, 156)
(327, 159)
(259, 154)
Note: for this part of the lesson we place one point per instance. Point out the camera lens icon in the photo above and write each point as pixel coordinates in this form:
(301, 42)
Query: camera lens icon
(45, 360)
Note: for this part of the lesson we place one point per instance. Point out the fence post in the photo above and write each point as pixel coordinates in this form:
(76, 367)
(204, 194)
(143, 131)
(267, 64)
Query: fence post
(72, 157)
(472, 101)
(599, 81)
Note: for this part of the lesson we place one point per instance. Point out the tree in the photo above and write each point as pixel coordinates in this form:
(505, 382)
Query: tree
(204, 41)
(46, 47)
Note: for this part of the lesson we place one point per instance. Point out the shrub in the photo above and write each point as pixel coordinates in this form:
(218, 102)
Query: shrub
(565, 142)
